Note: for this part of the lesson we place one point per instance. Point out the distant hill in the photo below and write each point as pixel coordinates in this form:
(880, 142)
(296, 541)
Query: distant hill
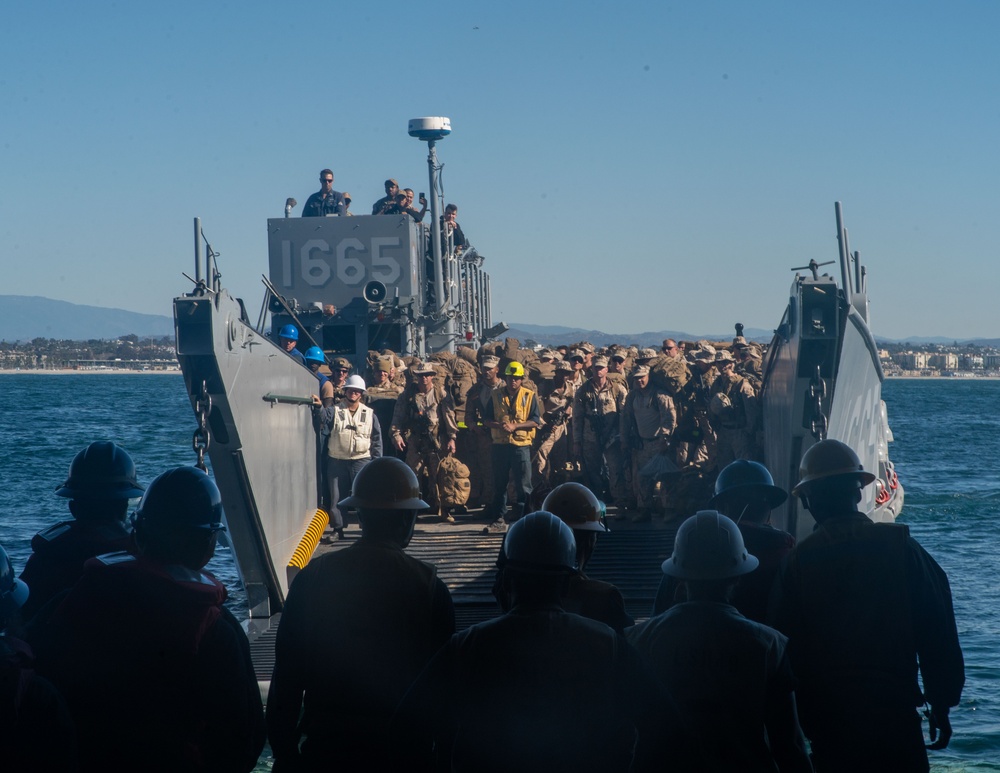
(553, 335)
(23, 318)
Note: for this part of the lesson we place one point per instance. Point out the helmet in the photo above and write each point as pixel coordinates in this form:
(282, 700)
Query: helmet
(576, 506)
(514, 369)
(385, 483)
(540, 542)
(13, 592)
(313, 353)
(179, 498)
(709, 546)
(290, 332)
(101, 471)
(355, 382)
(829, 459)
(751, 480)
(719, 404)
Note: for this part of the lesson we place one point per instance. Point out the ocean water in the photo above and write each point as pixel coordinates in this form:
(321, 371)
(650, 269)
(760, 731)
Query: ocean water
(945, 452)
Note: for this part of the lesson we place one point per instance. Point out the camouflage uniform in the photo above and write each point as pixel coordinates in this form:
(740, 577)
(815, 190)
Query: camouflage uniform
(426, 422)
(477, 448)
(596, 412)
(552, 444)
(382, 399)
(647, 426)
(733, 413)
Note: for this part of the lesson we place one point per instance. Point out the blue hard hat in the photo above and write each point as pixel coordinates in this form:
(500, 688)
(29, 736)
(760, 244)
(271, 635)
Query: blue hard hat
(315, 354)
(290, 332)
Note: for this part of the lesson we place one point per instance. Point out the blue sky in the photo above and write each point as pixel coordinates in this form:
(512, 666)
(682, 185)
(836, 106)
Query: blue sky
(627, 167)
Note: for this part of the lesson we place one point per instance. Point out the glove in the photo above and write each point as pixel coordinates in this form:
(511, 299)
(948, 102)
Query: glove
(940, 727)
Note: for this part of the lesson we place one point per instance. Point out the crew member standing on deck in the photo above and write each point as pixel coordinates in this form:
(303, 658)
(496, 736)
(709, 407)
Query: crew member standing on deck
(424, 425)
(36, 730)
(101, 481)
(647, 427)
(480, 436)
(864, 606)
(539, 689)
(597, 408)
(326, 201)
(512, 416)
(353, 438)
(155, 670)
(358, 627)
(730, 676)
(745, 492)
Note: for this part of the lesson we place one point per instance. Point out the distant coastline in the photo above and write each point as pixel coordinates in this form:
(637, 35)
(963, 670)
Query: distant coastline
(87, 372)
(177, 371)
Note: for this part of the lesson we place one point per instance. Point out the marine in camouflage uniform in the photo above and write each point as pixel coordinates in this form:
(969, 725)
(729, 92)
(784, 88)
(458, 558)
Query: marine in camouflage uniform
(696, 442)
(381, 396)
(733, 411)
(597, 408)
(424, 426)
(647, 426)
(552, 444)
(478, 448)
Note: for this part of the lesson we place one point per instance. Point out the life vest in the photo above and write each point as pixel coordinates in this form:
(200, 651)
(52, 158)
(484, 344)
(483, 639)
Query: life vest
(351, 434)
(517, 409)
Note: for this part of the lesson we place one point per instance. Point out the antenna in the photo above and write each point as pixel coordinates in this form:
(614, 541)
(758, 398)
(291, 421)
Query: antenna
(430, 130)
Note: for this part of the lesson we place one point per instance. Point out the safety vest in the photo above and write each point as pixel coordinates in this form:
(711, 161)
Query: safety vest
(351, 434)
(516, 409)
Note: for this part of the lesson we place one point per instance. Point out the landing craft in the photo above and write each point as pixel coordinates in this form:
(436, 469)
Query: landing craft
(354, 284)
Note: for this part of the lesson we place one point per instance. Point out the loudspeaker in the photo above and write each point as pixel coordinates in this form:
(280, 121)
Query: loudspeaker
(375, 292)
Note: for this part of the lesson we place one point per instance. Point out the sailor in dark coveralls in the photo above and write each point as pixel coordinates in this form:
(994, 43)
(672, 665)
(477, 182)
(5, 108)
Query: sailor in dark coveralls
(101, 481)
(539, 689)
(156, 672)
(730, 676)
(576, 506)
(745, 492)
(36, 730)
(865, 607)
(357, 628)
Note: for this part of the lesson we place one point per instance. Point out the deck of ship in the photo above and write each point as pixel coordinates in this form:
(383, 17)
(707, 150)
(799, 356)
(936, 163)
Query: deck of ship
(629, 556)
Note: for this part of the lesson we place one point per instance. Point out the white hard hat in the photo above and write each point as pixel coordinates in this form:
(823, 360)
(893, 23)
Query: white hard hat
(355, 382)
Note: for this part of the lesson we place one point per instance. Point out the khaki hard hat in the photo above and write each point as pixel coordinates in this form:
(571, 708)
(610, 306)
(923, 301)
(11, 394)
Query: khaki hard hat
(830, 459)
(576, 506)
(385, 483)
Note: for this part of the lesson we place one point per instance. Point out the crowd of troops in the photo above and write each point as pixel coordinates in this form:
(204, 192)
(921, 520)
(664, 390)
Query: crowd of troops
(645, 429)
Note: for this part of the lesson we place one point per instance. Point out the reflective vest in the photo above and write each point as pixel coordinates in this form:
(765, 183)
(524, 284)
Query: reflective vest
(351, 434)
(516, 409)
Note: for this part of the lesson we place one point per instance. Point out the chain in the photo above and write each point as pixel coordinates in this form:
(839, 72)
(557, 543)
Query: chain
(817, 391)
(201, 440)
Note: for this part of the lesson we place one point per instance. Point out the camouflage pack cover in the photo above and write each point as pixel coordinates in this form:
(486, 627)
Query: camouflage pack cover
(468, 354)
(669, 374)
(453, 482)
